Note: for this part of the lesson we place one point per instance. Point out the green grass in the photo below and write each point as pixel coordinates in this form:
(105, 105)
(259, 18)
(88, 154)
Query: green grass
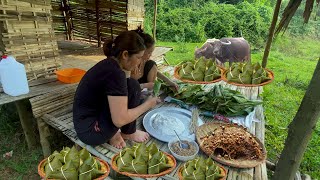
(293, 61)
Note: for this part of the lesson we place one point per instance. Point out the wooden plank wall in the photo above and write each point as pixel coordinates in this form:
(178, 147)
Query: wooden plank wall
(27, 34)
(136, 12)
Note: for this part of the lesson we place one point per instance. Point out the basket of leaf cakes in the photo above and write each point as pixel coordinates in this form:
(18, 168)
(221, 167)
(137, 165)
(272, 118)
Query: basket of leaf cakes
(199, 71)
(201, 169)
(247, 74)
(143, 161)
(72, 164)
(230, 144)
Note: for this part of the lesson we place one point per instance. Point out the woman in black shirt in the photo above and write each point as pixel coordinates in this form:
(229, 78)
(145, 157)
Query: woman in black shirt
(107, 100)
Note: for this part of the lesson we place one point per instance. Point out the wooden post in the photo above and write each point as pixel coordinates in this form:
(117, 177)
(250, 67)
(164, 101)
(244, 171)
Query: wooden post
(98, 23)
(111, 23)
(26, 119)
(44, 134)
(67, 18)
(155, 19)
(300, 130)
(271, 33)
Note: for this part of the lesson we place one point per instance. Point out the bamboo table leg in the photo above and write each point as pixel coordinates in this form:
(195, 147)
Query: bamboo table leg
(44, 133)
(26, 119)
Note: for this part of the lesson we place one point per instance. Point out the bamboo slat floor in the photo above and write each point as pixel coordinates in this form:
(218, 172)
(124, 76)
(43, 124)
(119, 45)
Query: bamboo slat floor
(64, 123)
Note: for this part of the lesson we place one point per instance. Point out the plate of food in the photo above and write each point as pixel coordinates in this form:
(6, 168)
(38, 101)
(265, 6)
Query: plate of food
(162, 122)
(231, 145)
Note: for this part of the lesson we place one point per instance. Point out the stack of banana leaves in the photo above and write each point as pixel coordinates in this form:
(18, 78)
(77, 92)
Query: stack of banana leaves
(247, 73)
(141, 159)
(199, 70)
(218, 99)
(201, 169)
(72, 164)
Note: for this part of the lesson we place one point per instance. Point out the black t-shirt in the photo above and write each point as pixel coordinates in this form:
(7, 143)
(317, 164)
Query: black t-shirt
(91, 99)
(147, 68)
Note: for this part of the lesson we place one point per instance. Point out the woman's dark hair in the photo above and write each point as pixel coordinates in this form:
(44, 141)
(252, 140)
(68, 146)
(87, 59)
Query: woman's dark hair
(148, 40)
(126, 41)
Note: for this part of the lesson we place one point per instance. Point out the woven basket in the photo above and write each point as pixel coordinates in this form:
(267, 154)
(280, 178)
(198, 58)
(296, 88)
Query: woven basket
(171, 159)
(104, 168)
(207, 128)
(224, 173)
(270, 75)
(176, 75)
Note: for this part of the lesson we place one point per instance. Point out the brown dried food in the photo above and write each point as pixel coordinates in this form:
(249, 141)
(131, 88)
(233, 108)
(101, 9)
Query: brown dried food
(232, 143)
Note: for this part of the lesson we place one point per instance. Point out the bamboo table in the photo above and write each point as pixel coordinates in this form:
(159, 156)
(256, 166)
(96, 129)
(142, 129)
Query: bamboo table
(37, 87)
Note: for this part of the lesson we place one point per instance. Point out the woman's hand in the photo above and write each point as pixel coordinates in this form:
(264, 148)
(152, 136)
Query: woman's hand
(153, 101)
(175, 86)
(148, 85)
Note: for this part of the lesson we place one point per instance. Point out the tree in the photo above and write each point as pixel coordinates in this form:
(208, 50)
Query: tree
(300, 130)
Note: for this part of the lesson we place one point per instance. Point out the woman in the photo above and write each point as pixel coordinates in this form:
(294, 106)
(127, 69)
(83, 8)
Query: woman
(107, 101)
(147, 71)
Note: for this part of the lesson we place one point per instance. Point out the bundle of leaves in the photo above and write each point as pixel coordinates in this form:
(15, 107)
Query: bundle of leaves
(73, 165)
(247, 73)
(201, 169)
(218, 99)
(141, 159)
(199, 70)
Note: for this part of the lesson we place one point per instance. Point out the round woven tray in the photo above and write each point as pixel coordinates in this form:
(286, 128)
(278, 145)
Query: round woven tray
(207, 128)
(176, 75)
(270, 75)
(224, 173)
(104, 168)
(171, 161)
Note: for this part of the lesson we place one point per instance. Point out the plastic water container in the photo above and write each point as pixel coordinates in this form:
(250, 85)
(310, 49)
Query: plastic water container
(13, 77)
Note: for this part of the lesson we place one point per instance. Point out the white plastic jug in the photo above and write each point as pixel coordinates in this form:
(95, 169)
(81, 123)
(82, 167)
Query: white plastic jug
(13, 77)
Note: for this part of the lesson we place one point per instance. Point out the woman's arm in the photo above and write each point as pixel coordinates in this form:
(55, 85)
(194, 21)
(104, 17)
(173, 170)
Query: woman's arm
(120, 113)
(168, 81)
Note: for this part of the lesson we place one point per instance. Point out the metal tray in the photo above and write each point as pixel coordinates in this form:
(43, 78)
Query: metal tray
(180, 114)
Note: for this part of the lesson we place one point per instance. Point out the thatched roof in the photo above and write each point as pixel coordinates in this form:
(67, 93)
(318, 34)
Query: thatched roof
(290, 11)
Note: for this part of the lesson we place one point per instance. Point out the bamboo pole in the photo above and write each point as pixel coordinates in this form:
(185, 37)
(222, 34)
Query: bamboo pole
(98, 23)
(155, 19)
(44, 133)
(26, 122)
(271, 33)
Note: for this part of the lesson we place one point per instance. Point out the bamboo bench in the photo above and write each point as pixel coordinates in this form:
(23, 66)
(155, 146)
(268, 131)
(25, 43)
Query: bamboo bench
(55, 109)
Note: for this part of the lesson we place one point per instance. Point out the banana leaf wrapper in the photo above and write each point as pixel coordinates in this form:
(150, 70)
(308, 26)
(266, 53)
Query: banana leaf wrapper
(158, 163)
(257, 66)
(53, 164)
(152, 149)
(244, 78)
(198, 174)
(212, 73)
(187, 169)
(87, 171)
(248, 68)
(200, 64)
(201, 164)
(185, 69)
(156, 87)
(125, 157)
(67, 171)
(137, 166)
(140, 150)
(210, 63)
(64, 151)
(84, 154)
(197, 75)
(73, 156)
(213, 173)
